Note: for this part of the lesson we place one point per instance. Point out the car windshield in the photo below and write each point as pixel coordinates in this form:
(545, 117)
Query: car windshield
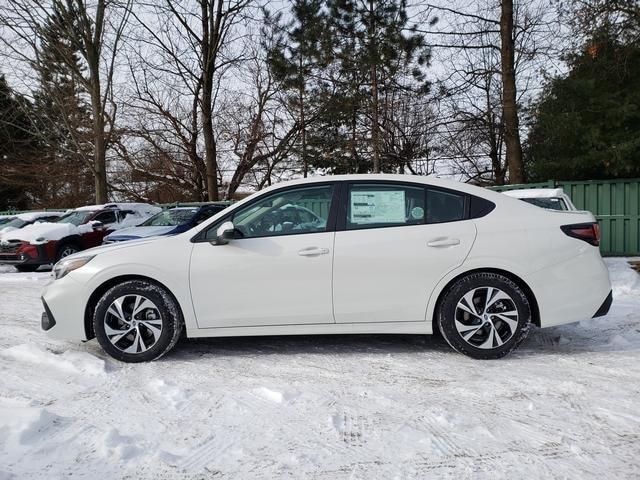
(77, 217)
(170, 218)
(15, 223)
(553, 203)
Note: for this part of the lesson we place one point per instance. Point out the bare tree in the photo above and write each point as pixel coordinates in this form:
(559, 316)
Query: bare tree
(484, 90)
(95, 31)
(194, 40)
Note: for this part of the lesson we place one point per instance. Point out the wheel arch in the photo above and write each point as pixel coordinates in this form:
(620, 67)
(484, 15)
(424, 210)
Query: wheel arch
(535, 311)
(112, 282)
(71, 239)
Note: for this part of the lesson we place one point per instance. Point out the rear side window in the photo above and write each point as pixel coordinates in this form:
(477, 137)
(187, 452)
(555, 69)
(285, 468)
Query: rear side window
(444, 206)
(384, 205)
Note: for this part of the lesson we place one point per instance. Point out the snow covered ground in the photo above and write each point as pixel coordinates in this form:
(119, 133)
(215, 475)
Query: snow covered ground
(566, 405)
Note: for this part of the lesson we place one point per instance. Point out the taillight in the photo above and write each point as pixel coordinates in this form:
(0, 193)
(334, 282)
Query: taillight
(589, 232)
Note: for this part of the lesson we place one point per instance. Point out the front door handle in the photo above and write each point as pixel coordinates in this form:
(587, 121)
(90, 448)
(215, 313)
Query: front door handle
(443, 242)
(313, 251)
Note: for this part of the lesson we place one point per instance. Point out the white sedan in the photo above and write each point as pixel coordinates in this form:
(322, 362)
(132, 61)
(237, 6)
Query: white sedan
(340, 255)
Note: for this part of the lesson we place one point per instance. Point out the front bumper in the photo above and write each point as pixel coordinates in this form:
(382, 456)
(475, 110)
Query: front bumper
(47, 321)
(65, 300)
(33, 255)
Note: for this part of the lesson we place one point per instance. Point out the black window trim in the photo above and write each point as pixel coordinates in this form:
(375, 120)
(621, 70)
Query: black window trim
(201, 236)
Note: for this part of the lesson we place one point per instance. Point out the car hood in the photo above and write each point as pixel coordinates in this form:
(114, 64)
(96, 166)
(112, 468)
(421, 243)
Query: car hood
(114, 246)
(140, 232)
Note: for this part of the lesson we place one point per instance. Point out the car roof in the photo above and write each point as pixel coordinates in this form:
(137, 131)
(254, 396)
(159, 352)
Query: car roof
(428, 180)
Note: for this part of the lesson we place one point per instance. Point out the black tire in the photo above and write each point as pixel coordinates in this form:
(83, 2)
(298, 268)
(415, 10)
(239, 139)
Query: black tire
(26, 268)
(170, 321)
(452, 317)
(66, 249)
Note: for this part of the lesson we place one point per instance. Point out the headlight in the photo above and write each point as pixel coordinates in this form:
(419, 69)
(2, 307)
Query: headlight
(66, 266)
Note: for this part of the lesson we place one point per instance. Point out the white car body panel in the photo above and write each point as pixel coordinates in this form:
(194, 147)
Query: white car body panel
(286, 288)
(384, 274)
(263, 287)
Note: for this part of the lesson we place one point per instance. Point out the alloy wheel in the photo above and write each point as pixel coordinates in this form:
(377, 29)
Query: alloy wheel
(486, 317)
(133, 323)
(68, 250)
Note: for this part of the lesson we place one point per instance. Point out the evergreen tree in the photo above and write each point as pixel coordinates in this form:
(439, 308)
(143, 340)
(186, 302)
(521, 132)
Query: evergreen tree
(64, 120)
(587, 124)
(378, 53)
(297, 62)
(18, 148)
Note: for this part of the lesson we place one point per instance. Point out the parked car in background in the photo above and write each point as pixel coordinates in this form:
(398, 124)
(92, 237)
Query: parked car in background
(168, 222)
(44, 243)
(340, 254)
(21, 220)
(552, 198)
(4, 219)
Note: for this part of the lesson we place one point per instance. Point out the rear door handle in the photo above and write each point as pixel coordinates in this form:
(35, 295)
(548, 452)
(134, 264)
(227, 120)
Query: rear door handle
(443, 242)
(313, 251)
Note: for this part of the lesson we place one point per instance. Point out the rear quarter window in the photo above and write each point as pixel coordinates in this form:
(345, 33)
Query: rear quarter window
(445, 206)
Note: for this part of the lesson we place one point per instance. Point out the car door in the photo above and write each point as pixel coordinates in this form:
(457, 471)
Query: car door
(394, 243)
(94, 237)
(277, 271)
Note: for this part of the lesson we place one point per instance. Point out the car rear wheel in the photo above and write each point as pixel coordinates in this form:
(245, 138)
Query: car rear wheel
(137, 321)
(484, 315)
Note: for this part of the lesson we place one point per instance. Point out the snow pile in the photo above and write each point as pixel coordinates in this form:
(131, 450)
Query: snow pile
(29, 217)
(33, 216)
(139, 208)
(21, 424)
(39, 233)
(68, 361)
(625, 280)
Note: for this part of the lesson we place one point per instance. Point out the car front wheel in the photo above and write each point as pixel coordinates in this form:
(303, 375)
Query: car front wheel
(137, 321)
(484, 315)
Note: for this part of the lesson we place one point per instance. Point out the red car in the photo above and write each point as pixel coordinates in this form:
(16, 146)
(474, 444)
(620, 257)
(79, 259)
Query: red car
(82, 228)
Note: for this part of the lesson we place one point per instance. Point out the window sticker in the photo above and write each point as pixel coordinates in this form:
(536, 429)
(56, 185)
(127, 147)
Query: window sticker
(417, 213)
(378, 207)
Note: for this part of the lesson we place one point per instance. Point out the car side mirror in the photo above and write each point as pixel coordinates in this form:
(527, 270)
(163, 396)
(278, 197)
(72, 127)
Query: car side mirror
(97, 225)
(225, 233)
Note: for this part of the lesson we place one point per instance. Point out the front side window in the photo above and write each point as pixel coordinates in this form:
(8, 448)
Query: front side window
(106, 218)
(293, 211)
(384, 205)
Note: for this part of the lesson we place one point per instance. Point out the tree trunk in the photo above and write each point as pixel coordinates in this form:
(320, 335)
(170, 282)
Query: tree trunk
(303, 133)
(509, 105)
(209, 44)
(374, 92)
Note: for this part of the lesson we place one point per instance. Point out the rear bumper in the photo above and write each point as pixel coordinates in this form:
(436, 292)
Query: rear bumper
(606, 305)
(572, 290)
